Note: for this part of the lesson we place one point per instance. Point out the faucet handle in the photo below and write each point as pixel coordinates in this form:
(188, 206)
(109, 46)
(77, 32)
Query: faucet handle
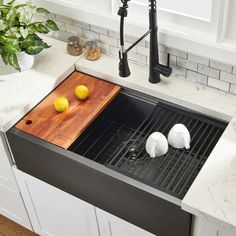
(168, 60)
(164, 70)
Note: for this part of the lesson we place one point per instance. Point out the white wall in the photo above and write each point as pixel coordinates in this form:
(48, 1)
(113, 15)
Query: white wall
(231, 29)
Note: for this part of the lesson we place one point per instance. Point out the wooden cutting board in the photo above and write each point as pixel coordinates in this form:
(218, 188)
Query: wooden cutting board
(62, 129)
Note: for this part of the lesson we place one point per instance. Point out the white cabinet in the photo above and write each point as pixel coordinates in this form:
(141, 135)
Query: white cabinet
(54, 212)
(11, 203)
(110, 225)
(204, 226)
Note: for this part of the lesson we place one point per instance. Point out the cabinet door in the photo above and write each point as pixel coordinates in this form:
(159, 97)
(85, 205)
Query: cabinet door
(11, 203)
(54, 212)
(206, 226)
(6, 174)
(110, 225)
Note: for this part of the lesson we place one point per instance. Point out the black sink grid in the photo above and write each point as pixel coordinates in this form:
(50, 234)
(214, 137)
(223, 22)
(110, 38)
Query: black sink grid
(117, 140)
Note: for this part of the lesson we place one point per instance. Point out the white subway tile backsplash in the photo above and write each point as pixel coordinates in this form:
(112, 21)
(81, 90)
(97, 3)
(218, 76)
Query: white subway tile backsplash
(179, 71)
(186, 64)
(221, 66)
(163, 58)
(73, 29)
(234, 70)
(109, 40)
(62, 35)
(98, 30)
(191, 66)
(233, 89)
(143, 50)
(113, 34)
(91, 35)
(141, 59)
(114, 51)
(177, 53)
(64, 19)
(198, 59)
(219, 84)
(230, 78)
(196, 77)
(81, 24)
(173, 60)
(162, 48)
(206, 70)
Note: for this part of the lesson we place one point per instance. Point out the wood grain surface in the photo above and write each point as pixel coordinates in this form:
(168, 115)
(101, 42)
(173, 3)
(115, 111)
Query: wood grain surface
(10, 228)
(62, 129)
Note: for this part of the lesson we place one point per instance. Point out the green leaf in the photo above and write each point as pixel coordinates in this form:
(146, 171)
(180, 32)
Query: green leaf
(3, 25)
(7, 40)
(1, 40)
(10, 17)
(20, 6)
(13, 33)
(13, 61)
(50, 24)
(31, 39)
(39, 27)
(5, 57)
(34, 49)
(10, 48)
(42, 10)
(11, 2)
(1, 2)
(24, 32)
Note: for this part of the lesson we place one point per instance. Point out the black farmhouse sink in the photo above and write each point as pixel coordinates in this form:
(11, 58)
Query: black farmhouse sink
(108, 166)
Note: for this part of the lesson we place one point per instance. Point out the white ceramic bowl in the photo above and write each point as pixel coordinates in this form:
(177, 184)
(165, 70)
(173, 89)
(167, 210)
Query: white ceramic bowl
(179, 137)
(156, 145)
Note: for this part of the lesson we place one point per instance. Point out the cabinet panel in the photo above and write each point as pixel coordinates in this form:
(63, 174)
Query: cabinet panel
(54, 212)
(206, 226)
(202, 227)
(6, 174)
(110, 225)
(11, 206)
(11, 203)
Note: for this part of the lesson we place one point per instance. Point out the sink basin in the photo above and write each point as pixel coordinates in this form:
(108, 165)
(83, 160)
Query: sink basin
(117, 140)
(107, 166)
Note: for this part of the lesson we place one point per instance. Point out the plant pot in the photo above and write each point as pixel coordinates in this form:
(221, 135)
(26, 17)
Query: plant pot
(25, 61)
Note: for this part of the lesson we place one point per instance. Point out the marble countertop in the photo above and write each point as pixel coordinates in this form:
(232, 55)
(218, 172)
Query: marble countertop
(213, 194)
(20, 92)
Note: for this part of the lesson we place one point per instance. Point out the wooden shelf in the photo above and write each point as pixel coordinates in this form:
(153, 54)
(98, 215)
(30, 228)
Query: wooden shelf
(62, 129)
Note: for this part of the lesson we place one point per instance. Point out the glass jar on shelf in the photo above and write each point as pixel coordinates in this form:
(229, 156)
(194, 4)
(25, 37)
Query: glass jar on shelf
(74, 47)
(92, 51)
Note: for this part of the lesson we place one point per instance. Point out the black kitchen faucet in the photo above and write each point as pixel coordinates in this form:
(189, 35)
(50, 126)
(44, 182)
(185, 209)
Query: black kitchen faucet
(155, 68)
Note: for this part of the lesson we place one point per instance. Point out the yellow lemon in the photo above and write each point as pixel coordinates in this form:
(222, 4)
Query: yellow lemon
(61, 104)
(81, 92)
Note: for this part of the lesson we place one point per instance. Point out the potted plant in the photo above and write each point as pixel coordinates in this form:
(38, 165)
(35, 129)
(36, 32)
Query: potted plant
(19, 41)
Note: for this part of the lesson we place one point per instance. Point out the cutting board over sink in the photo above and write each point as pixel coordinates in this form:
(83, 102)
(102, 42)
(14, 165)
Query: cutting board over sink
(62, 129)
